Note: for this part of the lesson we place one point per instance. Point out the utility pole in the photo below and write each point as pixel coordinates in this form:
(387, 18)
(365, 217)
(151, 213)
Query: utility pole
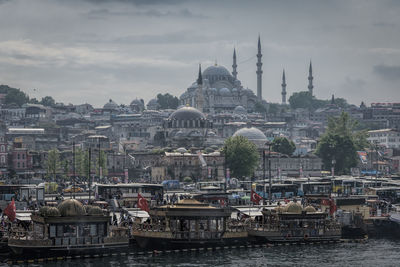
(90, 183)
(73, 165)
(264, 174)
(269, 175)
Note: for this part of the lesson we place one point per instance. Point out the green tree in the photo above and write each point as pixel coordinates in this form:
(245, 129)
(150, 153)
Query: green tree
(259, 107)
(15, 96)
(241, 156)
(340, 143)
(283, 145)
(48, 101)
(65, 167)
(53, 164)
(102, 162)
(167, 101)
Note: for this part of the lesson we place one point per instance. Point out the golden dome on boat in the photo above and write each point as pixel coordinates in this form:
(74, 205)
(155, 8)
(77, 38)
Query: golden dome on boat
(294, 207)
(71, 207)
(93, 210)
(309, 209)
(49, 211)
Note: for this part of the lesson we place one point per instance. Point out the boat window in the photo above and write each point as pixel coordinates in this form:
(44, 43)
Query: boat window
(93, 229)
(52, 231)
(60, 231)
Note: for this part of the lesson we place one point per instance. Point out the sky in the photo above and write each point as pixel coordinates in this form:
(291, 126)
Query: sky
(90, 51)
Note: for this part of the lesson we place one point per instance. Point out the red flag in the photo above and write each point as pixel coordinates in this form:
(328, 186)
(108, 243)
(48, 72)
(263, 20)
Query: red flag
(142, 203)
(255, 197)
(332, 207)
(10, 211)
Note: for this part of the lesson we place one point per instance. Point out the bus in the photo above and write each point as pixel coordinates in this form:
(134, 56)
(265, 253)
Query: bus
(390, 194)
(277, 190)
(127, 194)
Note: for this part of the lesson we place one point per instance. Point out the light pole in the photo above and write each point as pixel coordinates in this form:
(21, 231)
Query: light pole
(268, 144)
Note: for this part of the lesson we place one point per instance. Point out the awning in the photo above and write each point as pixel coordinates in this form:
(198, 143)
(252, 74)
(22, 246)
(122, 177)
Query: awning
(23, 216)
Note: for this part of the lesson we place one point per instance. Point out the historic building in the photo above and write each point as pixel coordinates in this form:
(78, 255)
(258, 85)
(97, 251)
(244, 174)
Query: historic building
(216, 90)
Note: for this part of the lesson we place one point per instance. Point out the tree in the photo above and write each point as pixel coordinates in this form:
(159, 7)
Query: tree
(241, 156)
(283, 146)
(102, 162)
(53, 164)
(15, 96)
(301, 100)
(167, 101)
(340, 143)
(259, 107)
(48, 101)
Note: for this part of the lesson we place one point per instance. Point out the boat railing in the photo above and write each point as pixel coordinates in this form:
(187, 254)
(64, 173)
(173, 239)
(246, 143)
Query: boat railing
(285, 227)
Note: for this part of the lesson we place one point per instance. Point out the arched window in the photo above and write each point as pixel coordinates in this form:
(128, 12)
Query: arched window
(3, 159)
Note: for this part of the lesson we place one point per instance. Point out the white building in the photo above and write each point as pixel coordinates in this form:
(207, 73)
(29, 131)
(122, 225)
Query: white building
(389, 138)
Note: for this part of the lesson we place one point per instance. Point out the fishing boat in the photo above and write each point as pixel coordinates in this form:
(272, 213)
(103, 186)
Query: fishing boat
(69, 229)
(189, 224)
(294, 224)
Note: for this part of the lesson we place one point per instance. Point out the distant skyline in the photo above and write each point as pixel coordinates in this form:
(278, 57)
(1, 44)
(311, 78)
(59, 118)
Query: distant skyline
(81, 51)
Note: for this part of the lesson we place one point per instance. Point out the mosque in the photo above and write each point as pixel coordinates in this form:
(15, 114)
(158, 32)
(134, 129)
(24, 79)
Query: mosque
(217, 90)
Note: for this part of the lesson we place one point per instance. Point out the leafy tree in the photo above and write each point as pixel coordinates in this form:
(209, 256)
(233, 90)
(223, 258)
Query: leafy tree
(34, 101)
(340, 143)
(102, 162)
(260, 108)
(241, 156)
(65, 167)
(283, 146)
(273, 108)
(301, 100)
(167, 101)
(15, 96)
(53, 164)
(48, 101)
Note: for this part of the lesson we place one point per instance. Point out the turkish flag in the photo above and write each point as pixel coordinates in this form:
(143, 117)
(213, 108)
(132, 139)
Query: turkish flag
(10, 211)
(255, 198)
(142, 203)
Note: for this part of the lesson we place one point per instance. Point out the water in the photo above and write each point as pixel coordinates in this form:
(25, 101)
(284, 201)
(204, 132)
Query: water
(377, 252)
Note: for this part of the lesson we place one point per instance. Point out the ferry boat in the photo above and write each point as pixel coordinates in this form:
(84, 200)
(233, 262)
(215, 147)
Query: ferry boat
(189, 224)
(69, 229)
(294, 224)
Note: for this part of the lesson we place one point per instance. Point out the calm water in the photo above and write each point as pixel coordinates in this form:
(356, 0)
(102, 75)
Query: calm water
(374, 253)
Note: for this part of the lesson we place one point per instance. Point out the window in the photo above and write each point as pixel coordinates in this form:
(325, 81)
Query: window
(2, 148)
(3, 159)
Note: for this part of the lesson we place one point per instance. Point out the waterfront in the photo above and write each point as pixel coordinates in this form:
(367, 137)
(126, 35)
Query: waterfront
(376, 252)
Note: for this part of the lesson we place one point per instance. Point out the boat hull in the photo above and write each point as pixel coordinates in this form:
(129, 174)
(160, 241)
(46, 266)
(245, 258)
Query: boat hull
(166, 242)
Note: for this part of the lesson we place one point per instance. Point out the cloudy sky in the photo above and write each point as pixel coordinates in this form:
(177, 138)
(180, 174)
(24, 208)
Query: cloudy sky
(92, 50)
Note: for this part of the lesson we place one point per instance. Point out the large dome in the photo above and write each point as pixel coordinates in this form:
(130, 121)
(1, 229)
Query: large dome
(216, 71)
(187, 113)
(253, 134)
(71, 207)
(110, 105)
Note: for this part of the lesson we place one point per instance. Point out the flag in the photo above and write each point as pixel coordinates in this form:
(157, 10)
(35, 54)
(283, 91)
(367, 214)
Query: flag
(255, 197)
(10, 211)
(332, 207)
(142, 203)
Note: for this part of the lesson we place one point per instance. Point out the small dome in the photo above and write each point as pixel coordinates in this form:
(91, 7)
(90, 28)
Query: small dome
(214, 90)
(187, 113)
(49, 211)
(215, 71)
(234, 90)
(110, 105)
(309, 209)
(71, 207)
(294, 207)
(181, 150)
(252, 133)
(136, 102)
(279, 209)
(224, 92)
(93, 210)
(239, 110)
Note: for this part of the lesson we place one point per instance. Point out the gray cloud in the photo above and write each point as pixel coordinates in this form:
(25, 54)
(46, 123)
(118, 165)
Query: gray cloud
(391, 73)
(139, 2)
(104, 13)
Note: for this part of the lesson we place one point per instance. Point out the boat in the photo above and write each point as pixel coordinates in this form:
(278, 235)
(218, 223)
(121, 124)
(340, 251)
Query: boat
(68, 230)
(189, 224)
(292, 224)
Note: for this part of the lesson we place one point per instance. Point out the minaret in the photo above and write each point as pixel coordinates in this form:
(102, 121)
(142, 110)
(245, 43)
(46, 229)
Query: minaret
(200, 96)
(259, 71)
(310, 80)
(283, 88)
(234, 66)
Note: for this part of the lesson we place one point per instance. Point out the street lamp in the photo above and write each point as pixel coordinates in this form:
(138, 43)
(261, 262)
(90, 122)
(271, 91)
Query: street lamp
(268, 144)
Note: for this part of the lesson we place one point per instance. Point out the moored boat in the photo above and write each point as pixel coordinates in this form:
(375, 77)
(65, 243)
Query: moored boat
(189, 224)
(294, 224)
(69, 229)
